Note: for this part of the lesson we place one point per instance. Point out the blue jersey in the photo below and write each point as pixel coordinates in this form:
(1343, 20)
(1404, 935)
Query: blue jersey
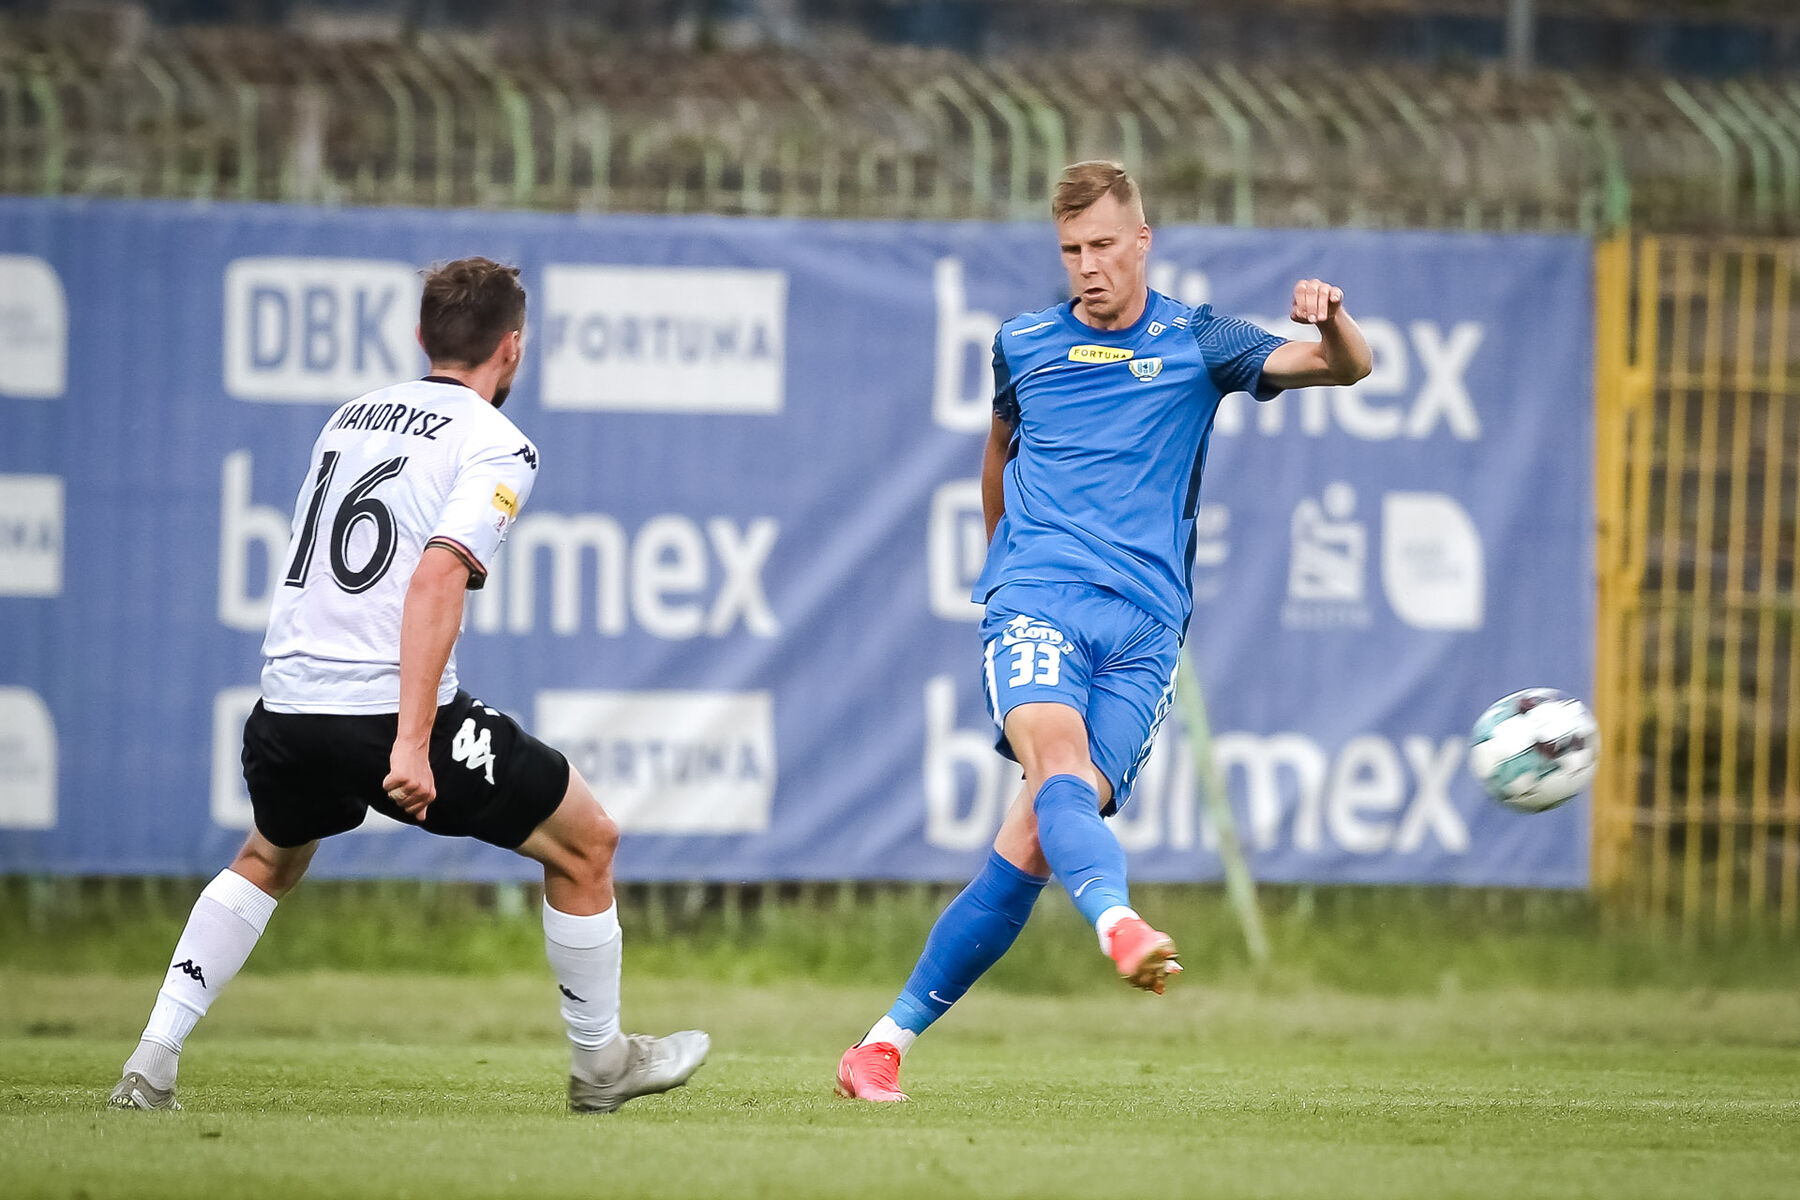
(1110, 431)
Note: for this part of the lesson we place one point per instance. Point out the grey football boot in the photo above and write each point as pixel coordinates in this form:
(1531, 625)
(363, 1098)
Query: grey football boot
(652, 1065)
(134, 1091)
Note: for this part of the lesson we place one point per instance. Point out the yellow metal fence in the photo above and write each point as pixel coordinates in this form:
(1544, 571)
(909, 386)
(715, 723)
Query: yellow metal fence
(1697, 807)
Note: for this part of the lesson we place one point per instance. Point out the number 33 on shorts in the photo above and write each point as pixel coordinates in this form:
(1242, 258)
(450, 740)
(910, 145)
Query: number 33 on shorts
(1035, 662)
(1030, 660)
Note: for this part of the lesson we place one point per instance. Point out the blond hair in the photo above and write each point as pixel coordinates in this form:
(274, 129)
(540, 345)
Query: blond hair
(1082, 184)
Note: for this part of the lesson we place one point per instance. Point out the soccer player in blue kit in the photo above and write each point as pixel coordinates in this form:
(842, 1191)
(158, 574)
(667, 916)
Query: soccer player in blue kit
(1090, 482)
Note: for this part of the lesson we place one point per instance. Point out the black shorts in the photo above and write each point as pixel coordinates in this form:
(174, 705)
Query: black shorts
(315, 774)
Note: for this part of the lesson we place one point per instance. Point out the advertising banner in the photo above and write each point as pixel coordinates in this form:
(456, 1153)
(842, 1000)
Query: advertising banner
(738, 599)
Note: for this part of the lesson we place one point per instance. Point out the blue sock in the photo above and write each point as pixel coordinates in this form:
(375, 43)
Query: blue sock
(1085, 856)
(970, 936)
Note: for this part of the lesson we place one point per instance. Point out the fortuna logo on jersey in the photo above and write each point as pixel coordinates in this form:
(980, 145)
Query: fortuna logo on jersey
(1146, 369)
(1098, 354)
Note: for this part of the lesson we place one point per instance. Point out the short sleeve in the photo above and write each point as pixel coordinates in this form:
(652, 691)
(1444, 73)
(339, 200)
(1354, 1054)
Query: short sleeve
(1006, 394)
(491, 488)
(1234, 350)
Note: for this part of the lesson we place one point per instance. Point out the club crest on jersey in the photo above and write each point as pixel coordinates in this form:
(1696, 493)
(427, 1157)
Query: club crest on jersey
(506, 500)
(1098, 354)
(1146, 369)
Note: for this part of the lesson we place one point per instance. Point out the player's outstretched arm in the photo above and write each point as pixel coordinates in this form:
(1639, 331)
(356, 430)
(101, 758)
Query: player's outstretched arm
(428, 628)
(1340, 356)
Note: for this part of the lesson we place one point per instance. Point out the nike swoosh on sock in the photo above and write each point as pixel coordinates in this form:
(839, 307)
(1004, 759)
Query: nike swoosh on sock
(1084, 887)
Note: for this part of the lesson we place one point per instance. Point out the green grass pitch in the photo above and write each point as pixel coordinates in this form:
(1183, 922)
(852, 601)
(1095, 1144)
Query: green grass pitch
(426, 1087)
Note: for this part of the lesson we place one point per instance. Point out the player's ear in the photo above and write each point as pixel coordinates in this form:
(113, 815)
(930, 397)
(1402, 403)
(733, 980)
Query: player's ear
(419, 335)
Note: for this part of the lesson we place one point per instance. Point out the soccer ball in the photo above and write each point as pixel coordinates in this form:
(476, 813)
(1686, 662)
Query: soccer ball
(1534, 749)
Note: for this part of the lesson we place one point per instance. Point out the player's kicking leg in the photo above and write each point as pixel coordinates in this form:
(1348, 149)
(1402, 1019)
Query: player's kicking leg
(1052, 743)
(222, 929)
(575, 844)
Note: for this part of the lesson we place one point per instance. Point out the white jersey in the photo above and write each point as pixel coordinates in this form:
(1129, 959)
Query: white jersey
(423, 461)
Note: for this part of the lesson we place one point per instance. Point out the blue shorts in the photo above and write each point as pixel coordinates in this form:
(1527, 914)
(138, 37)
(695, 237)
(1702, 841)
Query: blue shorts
(1088, 648)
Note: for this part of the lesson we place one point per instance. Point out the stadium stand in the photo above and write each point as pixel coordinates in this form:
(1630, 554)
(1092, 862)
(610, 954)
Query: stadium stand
(102, 101)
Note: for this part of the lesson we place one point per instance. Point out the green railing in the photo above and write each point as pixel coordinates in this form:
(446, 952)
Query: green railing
(880, 132)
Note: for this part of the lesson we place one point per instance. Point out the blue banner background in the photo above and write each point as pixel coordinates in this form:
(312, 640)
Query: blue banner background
(1378, 565)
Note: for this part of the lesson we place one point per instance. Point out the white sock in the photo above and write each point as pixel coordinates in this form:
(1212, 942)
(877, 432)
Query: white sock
(1108, 921)
(887, 1030)
(584, 954)
(229, 917)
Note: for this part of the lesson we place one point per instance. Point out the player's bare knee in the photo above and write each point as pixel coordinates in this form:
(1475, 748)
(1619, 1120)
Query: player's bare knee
(1049, 741)
(1017, 839)
(586, 854)
(1061, 758)
(1018, 845)
(604, 842)
(595, 833)
(273, 869)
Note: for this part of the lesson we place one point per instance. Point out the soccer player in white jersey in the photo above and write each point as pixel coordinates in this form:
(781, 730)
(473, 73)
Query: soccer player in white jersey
(411, 491)
(1090, 484)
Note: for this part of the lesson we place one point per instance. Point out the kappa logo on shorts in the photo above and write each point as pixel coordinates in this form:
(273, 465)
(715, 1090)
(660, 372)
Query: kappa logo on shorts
(474, 752)
(1146, 369)
(1030, 629)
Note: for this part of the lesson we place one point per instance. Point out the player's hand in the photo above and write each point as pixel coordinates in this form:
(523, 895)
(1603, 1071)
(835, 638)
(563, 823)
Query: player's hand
(1316, 302)
(409, 783)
